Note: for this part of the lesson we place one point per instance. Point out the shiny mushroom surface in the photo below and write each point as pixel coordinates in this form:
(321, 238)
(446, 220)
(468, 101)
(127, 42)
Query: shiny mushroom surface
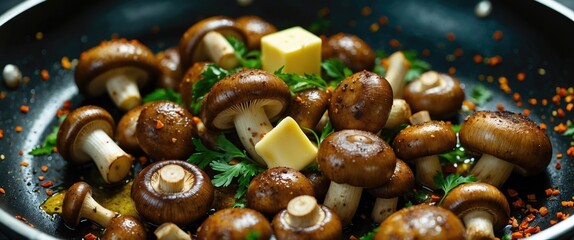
(235, 224)
(254, 28)
(124, 227)
(78, 204)
(353, 51)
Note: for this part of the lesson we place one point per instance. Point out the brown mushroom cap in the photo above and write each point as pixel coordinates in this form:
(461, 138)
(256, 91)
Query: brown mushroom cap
(159, 200)
(438, 93)
(361, 101)
(190, 78)
(421, 222)
(357, 158)
(402, 181)
(126, 130)
(479, 196)
(305, 219)
(320, 183)
(424, 139)
(254, 28)
(511, 137)
(189, 45)
(78, 203)
(270, 191)
(351, 49)
(170, 68)
(165, 130)
(308, 106)
(234, 224)
(124, 227)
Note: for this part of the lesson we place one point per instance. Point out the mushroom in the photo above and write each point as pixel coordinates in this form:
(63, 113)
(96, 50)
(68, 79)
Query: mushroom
(85, 134)
(400, 113)
(193, 75)
(172, 191)
(305, 219)
(481, 206)
(79, 204)
(402, 181)
(170, 231)
(319, 181)
(206, 41)
(170, 68)
(507, 141)
(397, 67)
(119, 67)
(126, 130)
(438, 93)
(421, 222)
(361, 101)
(308, 107)
(254, 28)
(351, 49)
(164, 131)
(421, 142)
(235, 224)
(270, 191)
(124, 227)
(353, 160)
(247, 100)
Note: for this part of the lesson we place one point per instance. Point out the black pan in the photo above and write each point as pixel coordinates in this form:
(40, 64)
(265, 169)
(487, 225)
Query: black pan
(537, 41)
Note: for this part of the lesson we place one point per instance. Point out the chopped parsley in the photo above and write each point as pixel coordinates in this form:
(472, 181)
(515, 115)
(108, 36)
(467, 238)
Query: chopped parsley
(480, 95)
(50, 141)
(370, 235)
(417, 65)
(449, 182)
(247, 59)
(163, 94)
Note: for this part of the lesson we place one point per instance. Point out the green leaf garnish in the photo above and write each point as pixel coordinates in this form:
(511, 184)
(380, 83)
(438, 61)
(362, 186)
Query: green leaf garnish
(336, 70)
(50, 141)
(163, 94)
(459, 154)
(211, 75)
(449, 182)
(418, 66)
(370, 235)
(252, 235)
(569, 131)
(299, 83)
(480, 95)
(248, 59)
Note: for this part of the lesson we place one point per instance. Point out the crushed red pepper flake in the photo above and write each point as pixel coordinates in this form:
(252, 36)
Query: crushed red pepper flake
(450, 36)
(41, 178)
(44, 168)
(1, 133)
(66, 64)
(526, 111)
(20, 152)
(497, 35)
(24, 164)
(2, 95)
(394, 43)
(458, 52)
(90, 236)
(49, 192)
(543, 126)
(2, 191)
(159, 124)
(495, 60)
(560, 128)
(500, 107)
(383, 20)
(477, 58)
(570, 151)
(24, 109)
(451, 70)
(18, 129)
(558, 166)
(45, 75)
(366, 11)
(520, 76)
(47, 184)
(511, 192)
(374, 27)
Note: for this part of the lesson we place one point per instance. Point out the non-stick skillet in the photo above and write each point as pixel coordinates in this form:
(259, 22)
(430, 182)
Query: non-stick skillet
(537, 41)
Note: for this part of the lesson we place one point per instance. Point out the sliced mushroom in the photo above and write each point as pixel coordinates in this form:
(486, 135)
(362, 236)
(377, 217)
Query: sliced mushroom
(206, 41)
(353, 160)
(164, 131)
(124, 227)
(351, 49)
(438, 93)
(481, 206)
(308, 107)
(402, 181)
(421, 222)
(304, 218)
(85, 135)
(507, 141)
(270, 191)
(170, 67)
(361, 101)
(235, 224)
(119, 67)
(172, 191)
(247, 101)
(78, 204)
(254, 28)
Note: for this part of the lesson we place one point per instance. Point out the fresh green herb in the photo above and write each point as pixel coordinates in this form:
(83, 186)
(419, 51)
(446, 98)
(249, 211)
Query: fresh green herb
(211, 75)
(252, 235)
(449, 182)
(389, 134)
(480, 95)
(248, 59)
(379, 68)
(569, 131)
(50, 141)
(459, 154)
(418, 66)
(335, 69)
(421, 197)
(163, 94)
(313, 167)
(506, 237)
(408, 204)
(320, 25)
(240, 203)
(327, 129)
(370, 235)
(299, 83)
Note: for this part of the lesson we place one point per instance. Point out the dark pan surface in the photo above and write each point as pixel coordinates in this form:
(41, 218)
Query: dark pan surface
(535, 38)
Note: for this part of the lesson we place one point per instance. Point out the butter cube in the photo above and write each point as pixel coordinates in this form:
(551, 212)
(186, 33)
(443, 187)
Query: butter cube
(286, 145)
(297, 49)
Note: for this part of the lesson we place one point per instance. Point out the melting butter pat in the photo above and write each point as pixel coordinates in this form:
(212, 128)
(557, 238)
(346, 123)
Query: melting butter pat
(295, 49)
(286, 145)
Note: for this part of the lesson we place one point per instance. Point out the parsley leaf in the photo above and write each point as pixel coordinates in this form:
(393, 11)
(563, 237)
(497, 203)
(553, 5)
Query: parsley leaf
(569, 131)
(211, 75)
(459, 154)
(163, 94)
(418, 66)
(327, 129)
(370, 235)
(336, 70)
(299, 83)
(248, 59)
(252, 235)
(449, 182)
(50, 141)
(479, 95)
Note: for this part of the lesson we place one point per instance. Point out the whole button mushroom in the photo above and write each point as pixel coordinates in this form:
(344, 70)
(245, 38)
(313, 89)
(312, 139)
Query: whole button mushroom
(119, 67)
(507, 141)
(481, 206)
(126, 130)
(422, 142)
(78, 204)
(172, 191)
(164, 131)
(206, 41)
(124, 227)
(234, 224)
(305, 219)
(170, 67)
(402, 181)
(361, 101)
(319, 181)
(308, 107)
(254, 28)
(85, 135)
(351, 49)
(421, 222)
(353, 160)
(270, 191)
(247, 101)
(438, 93)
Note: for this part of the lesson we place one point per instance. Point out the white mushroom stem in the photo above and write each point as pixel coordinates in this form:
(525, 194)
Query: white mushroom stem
(113, 163)
(492, 170)
(400, 113)
(429, 80)
(396, 71)
(383, 208)
(428, 166)
(123, 90)
(478, 225)
(251, 125)
(344, 200)
(97, 213)
(219, 50)
(303, 211)
(170, 231)
(171, 178)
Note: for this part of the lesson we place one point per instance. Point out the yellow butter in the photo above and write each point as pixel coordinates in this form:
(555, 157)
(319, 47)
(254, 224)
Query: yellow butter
(297, 49)
(286, 145)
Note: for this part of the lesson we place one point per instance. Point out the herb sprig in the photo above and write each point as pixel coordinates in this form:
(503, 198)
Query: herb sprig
(50, 141)
(417, 65)
(446, 184)
(248, 59)
(480, 95)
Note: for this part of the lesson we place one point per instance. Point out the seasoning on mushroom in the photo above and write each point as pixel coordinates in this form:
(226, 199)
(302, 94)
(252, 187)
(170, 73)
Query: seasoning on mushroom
(235, 224)
(351, 49)
(254, 28)
(85, 135)
(508, 141)
(119, 67)
(78, 204)
(172, 191)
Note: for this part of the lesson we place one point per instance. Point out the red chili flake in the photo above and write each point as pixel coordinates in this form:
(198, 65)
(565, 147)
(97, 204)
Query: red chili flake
(366, 11)
(531, 197)
(518, 203)
(526, 112)
(394, 43)
(458, 52)
(556, 99)
(520, 76)
(543, 211)
(24, 109)
(543, 126)
(519, 104)
(435, 198)
(569, 107)
(90, 236)
(426, 52)
(552, 222)
(493, 61)
(570, 151)
(511, 192)
(66, 64)
(560, 113)
(41, 178)
(516, 97)
(47, 184)
(2, 95)
(374, 27)
(529, 218)
(18, 129)
(451, 37)
(561, 128)
(142, 160)
(470, 105)
(45, 75)
(477, 58)
(544, 102)
(517, 235)
(497, 35)
(548, 192)
(555, 192)
(2, 191)
(49, 192)
(567, 203)
(44, 168)
(451, 70)
(500, 107)
(558, 166)
(159, 124)
(1, 133)
(532, 230)
(383, 20)
(24, 164)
